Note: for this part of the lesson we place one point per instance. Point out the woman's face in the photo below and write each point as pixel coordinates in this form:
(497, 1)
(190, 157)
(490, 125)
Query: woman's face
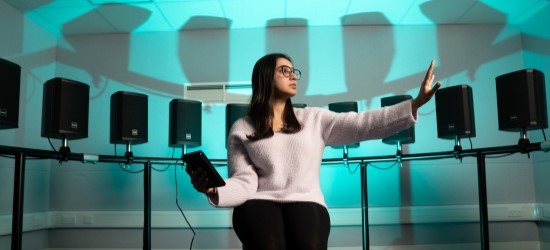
(284, 80)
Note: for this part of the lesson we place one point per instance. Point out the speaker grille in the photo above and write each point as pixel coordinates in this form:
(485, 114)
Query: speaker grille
(521, 100)
(454, 107)
(185, 123)
(342, 107)
(65, 109)
(405, 136)
(10, 82)
(233, 111)
(129, 118)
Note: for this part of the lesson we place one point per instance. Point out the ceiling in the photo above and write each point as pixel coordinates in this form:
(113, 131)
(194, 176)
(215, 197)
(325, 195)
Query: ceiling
(70, 17)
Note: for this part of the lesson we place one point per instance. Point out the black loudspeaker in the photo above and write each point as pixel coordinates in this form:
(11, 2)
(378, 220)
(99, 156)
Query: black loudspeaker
(454, 107)
(521, 100)
(405, 136)
(129, 118)
(65, 109)
(185, 123)
(234, 111)
(10, 82)
(342, 107)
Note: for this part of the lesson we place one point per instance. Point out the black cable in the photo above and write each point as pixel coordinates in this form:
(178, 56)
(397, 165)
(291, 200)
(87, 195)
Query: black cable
(7, 156)
(543, 134)
(179, 207)
(355, 170)
(51, 145)
(124, 168)
(167, 167)
(381, 168)
(161, 170)
(498, 156)
(59, 162)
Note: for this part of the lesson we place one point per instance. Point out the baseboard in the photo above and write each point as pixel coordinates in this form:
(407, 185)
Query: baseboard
(221, 218)
(544, 212)
(31, 222)
(527, 245)
(523, 245)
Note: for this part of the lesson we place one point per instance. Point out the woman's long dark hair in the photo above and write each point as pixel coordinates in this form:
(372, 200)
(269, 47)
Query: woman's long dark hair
(261, 104)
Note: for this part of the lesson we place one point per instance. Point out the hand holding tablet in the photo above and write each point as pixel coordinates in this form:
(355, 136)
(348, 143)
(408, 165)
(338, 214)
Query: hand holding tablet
(198, 160)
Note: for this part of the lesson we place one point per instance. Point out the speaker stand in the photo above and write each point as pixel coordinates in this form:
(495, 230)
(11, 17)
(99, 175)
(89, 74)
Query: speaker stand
(183, 153)
(129, 154)
(458, 148)
(147, 205)
(64, 150)
(345, 156)
(399, 154)
(183, 150)
(524, 142)
(365, 206)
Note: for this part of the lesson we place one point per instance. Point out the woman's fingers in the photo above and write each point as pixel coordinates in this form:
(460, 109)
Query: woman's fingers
(198, 179)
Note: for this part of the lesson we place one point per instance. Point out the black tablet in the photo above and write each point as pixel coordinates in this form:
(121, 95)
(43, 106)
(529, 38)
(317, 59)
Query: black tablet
(198, 159)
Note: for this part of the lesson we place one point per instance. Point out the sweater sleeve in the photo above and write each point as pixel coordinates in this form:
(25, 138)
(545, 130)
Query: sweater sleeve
(243, 179)
(352, 127)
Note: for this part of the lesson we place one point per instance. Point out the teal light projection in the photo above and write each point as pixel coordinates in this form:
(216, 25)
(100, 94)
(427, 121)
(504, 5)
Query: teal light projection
(411, 51)
(347, 51)
(324, 80)
(517, 12)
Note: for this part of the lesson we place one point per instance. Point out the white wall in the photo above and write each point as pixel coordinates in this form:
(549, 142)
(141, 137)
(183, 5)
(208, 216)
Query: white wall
(354, 66)
(352, 63)
(27, 44)
(537, 55)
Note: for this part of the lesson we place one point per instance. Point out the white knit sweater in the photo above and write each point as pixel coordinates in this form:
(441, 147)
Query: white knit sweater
(286, 167)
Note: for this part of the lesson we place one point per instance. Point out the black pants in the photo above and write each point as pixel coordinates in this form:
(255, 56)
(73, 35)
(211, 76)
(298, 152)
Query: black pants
(262, 224)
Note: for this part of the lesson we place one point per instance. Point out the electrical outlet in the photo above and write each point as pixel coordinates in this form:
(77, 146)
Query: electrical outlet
(514, 213)
(88, 219)
(68, 219)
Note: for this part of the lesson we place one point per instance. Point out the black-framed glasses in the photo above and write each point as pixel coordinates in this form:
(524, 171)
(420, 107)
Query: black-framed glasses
(288, 71)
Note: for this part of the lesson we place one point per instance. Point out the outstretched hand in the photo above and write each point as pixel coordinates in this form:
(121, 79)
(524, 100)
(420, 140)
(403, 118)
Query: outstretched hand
(426, 90)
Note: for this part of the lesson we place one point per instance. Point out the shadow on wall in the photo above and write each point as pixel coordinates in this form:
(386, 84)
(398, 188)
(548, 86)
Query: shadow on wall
(290, 36)
(13, 43)
(119, 56)
(452, 51)
(204, 55)
(91, 56)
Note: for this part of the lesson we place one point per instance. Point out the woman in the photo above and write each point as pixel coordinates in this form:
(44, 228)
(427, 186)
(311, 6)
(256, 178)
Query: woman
(274, 158)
